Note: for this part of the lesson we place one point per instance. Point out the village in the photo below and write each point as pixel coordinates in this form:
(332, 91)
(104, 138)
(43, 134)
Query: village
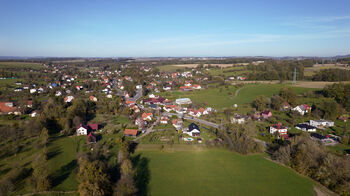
(148, 105)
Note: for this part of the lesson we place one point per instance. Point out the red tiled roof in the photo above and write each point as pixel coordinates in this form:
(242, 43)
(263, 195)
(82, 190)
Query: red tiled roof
(93, 126)
(6, 109)
(132, 132)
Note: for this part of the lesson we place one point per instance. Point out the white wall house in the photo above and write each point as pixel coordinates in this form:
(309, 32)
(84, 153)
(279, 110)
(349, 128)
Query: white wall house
(321, 123)
(278, 128)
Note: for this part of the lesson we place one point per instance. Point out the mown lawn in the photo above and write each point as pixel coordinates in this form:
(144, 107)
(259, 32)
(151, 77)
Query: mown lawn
(219, 172)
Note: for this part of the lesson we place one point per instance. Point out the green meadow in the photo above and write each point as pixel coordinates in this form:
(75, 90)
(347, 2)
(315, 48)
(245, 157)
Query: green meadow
(223, 97)
(218, 172)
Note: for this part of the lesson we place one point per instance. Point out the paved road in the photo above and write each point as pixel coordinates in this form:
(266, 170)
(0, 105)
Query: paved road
(186, 117)
(135, 98)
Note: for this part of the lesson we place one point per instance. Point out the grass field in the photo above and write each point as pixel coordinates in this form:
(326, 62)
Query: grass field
(20, 65)
(219, 172)
(217, 98)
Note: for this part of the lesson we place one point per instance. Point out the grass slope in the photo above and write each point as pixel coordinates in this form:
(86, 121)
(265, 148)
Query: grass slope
(220, 172)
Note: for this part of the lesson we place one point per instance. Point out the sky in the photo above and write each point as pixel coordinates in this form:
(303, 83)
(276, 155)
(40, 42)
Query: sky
(161, 28)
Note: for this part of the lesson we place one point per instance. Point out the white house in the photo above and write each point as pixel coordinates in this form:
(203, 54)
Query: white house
(238, 119)
(321, 123)
(278, 128)
(182, 101)
(68, 99)
(302, 109)
(33, 90)
(138, 86)
(82, 130)
(193, 130)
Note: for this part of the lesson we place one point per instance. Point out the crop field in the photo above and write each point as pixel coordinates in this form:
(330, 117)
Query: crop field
(217, 172)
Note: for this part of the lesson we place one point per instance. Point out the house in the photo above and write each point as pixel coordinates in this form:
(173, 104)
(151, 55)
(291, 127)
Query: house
(29, 103)
(131, 132)
(33, 90)
(129, 102)
(256, 116)
(68, 99)
(58, 93)
(266, 114)
(34, 114)
(193, 130)
(164, 120)
(302, 109)
(319, 137)
(7, 108)
(285, 106)
(197, 86)
(239, 119)
(183, 101)
(92, 98)
(82, 130)
(321, 123)
(343, 118)
(138, 86)
(147, 116)
(91, 138)
(93, 127)
(305, 127)
(166, 88)
(278, 128)
(177, 123)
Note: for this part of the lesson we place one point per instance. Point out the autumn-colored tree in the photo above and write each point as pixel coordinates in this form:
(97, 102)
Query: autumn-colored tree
(44, 136)
(40, 177)
(93, 178)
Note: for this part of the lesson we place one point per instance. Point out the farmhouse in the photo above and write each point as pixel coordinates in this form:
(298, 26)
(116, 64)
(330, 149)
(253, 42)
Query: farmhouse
(131, 132)
(305, 127)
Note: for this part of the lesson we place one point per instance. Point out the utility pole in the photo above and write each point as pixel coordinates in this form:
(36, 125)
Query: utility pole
(295, 75)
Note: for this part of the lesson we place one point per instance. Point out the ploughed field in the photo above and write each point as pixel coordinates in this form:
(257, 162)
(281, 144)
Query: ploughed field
(216, 172)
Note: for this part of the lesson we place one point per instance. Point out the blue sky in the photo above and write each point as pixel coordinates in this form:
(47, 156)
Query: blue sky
(102, 28)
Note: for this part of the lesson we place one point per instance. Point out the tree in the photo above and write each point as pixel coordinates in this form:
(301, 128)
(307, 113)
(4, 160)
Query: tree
(93, 178)
(260, 102)
(40, 178)
(276, 102)
(126, 185)
(44, 136)
(289, 95)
